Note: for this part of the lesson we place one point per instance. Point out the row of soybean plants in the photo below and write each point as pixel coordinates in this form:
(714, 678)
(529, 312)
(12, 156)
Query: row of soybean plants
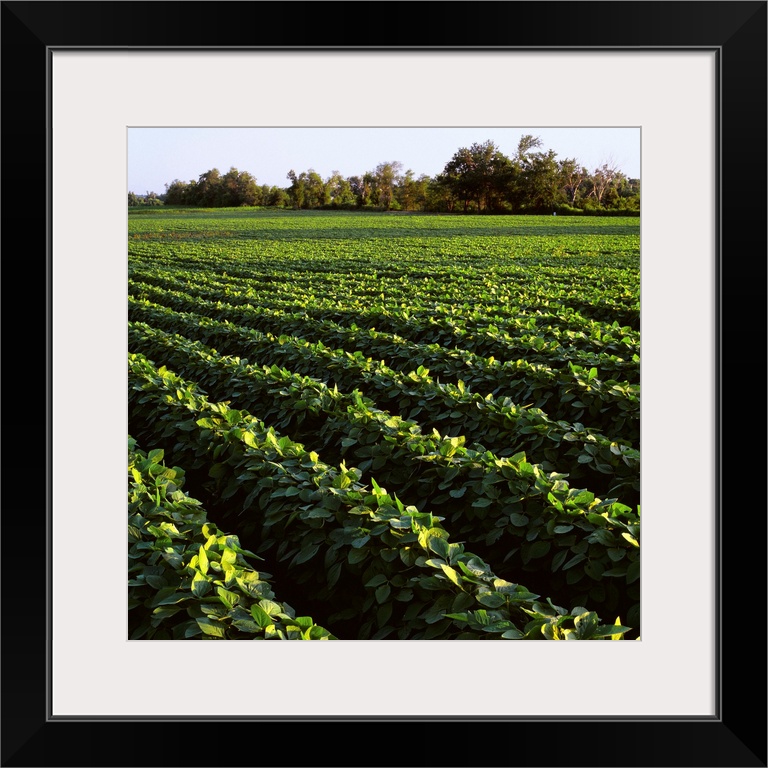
(388, 568)
(187, 579)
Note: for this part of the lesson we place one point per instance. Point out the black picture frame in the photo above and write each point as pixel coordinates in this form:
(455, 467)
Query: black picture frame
(736, 736)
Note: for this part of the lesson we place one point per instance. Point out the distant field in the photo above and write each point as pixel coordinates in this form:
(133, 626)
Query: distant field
(427, 425)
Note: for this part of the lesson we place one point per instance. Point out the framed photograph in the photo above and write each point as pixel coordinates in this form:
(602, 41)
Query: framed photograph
(690, 77)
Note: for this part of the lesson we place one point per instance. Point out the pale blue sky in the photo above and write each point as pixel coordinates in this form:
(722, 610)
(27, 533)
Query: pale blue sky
(157, 156)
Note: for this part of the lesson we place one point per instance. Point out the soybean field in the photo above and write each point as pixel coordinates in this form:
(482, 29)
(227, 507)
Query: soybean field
(383, 426)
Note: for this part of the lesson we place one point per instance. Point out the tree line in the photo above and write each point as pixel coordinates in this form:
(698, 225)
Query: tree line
(477, 179)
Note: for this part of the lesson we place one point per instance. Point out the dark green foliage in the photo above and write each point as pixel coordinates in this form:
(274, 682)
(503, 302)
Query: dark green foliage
(186, 578)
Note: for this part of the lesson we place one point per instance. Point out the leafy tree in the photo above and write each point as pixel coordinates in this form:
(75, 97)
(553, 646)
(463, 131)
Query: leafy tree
(573, 176)
(524, 147)
(239, 188)
(387, 177)
(477, 174)
(356, 188)
(525, 181)
(602, 179)
(339, 190)
(440, 195)
(540, 177)
(151, 198)
(628, 193)
(315, 194)
(457, 177)
(368, 194)
(209, 192)
(278, 197)
(412, 193)
(296, 191)
(454, 183)
(363, 188)
(178, 193)
(307, 189)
